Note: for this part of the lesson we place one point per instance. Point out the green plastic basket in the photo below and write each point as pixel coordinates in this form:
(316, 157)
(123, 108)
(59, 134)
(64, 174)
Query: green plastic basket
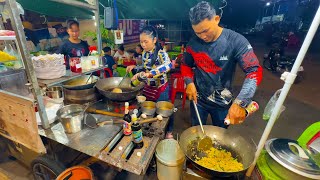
(308, 134)
(122, 72)
(264, 168)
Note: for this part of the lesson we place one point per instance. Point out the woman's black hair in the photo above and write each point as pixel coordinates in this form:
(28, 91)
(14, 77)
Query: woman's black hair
(121, 47)
(72, 22)
(152, 32)
(139, 45)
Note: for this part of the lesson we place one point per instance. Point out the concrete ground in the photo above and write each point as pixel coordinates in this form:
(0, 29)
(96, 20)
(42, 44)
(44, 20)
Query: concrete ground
(302, 109)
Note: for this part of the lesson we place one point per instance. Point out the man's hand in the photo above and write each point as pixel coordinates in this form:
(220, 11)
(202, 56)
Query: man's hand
(236, 114)
(192, 92)
(129, 68)
(114, 66)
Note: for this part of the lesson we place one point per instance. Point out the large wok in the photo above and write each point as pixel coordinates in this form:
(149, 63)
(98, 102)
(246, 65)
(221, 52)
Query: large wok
(105, 87)
(226, 139)
(81, 83)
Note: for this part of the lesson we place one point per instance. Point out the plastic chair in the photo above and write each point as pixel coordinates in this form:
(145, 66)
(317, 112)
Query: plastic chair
(107, 70)
(178, 85)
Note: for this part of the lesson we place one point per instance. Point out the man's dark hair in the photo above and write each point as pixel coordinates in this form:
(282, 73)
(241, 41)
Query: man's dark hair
(121, 47)
(72, 22)
(203, 10)
(106, 49)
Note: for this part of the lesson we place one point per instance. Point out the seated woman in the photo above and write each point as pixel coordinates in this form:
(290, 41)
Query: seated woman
(138, 55)
(121, 55)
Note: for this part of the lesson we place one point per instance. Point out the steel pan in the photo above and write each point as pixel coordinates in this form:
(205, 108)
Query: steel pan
(105, 87)
(81, 83)
(239, 147)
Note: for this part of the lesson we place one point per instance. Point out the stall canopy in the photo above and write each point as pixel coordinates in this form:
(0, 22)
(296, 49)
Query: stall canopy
(127, 9)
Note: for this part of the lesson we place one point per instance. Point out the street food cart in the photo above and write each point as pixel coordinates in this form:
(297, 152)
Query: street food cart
(47, 148)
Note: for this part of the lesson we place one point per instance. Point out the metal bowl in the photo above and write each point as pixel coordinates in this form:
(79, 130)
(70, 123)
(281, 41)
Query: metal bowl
(54, 92)
(148, 108)
(165, 108)
(81, 83)
(141, 99)
(105, 87)
(71, 117)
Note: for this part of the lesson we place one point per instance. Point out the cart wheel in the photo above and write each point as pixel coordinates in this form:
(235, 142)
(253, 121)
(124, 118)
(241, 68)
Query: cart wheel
(3, 149)
(44, 168)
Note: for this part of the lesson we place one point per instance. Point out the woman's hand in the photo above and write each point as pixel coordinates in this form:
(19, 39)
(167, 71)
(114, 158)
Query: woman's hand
(129, 68)
(136, 76)
(148, 75)
(141, 75)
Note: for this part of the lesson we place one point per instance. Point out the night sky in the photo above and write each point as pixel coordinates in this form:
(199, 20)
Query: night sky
(242, 13)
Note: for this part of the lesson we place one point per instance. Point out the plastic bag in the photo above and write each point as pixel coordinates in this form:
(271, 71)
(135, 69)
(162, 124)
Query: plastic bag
(270, 106)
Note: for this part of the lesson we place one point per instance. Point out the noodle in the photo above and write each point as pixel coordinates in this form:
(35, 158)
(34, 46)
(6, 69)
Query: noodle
(219, 160)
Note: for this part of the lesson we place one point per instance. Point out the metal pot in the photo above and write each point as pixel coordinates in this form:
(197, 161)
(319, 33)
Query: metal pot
(80, 96)
(148, 108)
(289, 161)
(165, 108)
(81, 83)
(239, 147)
(105, 87)
(71, 117)
(54, 92)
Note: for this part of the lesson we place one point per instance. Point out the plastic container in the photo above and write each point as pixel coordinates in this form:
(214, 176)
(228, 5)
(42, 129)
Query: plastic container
(170, 160)
(76, 173)
(14, 81)
(270, 106)
(75, 64)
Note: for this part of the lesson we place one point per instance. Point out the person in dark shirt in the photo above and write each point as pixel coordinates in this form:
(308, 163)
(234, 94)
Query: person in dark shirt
(73, 46)
(138, 53)
(209, 66)
(108, 60)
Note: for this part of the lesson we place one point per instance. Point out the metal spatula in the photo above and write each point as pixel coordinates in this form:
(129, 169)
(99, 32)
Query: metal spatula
(205, 142)
(124, 77)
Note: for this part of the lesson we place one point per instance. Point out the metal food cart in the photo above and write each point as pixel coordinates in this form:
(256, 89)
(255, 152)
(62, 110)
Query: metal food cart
(45, 147)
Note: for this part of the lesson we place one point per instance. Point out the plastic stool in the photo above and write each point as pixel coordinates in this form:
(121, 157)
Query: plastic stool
(179, 86)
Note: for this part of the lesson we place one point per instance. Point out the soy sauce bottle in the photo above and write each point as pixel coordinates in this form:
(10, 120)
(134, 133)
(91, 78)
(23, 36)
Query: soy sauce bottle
(136, 132)
(127, 120)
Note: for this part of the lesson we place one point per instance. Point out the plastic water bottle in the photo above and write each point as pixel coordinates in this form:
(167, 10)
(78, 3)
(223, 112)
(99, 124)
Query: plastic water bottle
(270, 106)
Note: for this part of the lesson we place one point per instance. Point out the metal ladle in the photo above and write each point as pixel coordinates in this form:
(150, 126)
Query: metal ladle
(89, 78)
(205, 142)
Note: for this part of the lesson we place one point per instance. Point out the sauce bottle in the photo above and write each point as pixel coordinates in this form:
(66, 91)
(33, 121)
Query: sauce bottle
(127, 120)
(136, 132)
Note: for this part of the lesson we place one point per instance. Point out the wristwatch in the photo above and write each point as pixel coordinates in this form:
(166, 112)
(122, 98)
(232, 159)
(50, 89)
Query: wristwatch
(240, 103)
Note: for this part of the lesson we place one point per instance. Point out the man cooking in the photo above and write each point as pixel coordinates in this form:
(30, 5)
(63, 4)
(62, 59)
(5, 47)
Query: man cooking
(209, 67)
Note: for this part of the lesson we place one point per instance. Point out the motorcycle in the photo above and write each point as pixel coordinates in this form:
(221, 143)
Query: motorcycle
(275, 61)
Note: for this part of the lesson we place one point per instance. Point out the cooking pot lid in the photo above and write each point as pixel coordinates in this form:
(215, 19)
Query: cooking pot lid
(290, 155)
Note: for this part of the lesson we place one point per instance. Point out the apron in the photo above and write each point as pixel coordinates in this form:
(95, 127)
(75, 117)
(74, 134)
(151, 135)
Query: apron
(152, 93)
